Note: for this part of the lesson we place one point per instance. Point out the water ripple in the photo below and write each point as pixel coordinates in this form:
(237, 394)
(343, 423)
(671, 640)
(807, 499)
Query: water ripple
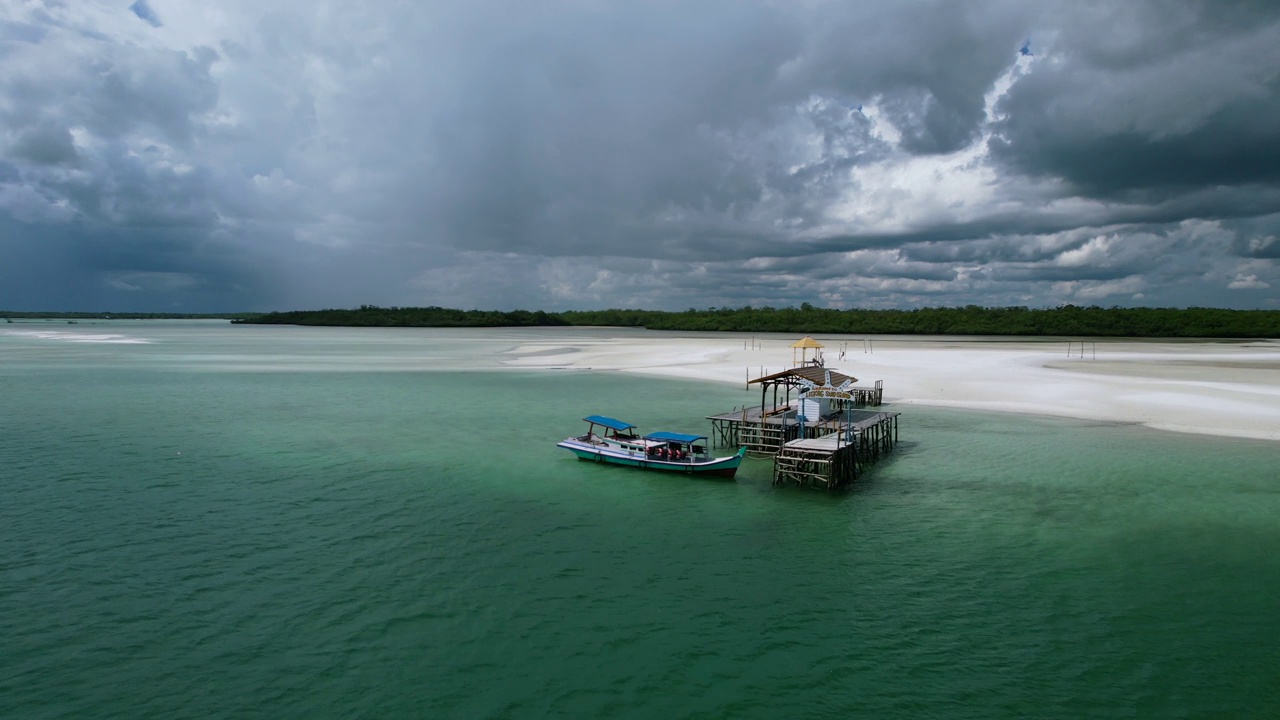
(258, 550)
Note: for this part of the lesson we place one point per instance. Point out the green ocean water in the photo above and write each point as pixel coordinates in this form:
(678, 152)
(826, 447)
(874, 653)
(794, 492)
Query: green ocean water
(205, 520)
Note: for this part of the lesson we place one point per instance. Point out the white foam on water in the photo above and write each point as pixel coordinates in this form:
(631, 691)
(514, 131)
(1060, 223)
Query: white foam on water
(107, 338)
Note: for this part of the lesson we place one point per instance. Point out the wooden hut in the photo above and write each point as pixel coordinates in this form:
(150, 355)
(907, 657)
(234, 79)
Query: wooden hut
(825, 398)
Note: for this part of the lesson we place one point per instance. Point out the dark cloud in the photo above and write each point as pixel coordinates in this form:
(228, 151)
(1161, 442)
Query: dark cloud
(44, 145)
(145, 13)
(587, 128)
(654, 154)
(1235, 144)
(1162, 97)
(11, 32)
(1256, 237)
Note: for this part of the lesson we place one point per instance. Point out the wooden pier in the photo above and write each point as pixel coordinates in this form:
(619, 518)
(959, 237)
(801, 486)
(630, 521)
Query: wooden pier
(826, 454)
(821, 439)
(765, 428)
(836, 459)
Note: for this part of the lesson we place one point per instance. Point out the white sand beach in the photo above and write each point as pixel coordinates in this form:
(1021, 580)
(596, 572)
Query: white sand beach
(1229, 388)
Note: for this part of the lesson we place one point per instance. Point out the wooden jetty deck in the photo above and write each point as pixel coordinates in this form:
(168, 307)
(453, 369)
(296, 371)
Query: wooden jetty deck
(826, 454)
(765, 430)
(831, 445)
(762, 430)
(837, 458)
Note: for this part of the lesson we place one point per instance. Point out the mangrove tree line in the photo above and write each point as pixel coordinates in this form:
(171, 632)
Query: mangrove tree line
(1067, 320)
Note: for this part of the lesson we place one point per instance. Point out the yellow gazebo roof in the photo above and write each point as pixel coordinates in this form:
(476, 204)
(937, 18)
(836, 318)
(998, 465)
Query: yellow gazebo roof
(804, 345)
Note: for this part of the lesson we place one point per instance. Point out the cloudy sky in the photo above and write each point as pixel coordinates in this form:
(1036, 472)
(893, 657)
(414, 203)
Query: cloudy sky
(173, 155)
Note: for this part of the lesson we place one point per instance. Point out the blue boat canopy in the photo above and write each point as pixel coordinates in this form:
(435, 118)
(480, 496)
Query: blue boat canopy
(674, 437)
(608, 422)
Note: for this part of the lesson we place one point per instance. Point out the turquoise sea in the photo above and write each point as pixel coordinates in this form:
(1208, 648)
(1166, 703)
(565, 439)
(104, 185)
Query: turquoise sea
(201, 520)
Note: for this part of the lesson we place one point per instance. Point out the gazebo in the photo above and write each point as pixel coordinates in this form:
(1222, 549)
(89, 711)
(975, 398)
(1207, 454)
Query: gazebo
(804, 345)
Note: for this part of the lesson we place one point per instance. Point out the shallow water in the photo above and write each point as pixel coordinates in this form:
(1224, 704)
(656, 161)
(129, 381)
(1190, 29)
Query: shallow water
(225, 521)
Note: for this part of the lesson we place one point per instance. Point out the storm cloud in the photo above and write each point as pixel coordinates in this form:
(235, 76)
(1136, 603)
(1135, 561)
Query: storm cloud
(171, 155)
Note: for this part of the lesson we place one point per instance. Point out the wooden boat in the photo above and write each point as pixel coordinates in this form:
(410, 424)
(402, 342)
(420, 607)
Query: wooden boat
(617, 443)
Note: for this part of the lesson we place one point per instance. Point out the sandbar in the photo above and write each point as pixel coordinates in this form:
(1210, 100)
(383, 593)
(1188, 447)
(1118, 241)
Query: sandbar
(1224, 387)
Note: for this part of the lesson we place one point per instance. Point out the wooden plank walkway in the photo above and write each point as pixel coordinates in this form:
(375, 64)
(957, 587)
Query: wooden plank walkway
(826, 453)
(836, 459)
(837, 434)
(765, 431)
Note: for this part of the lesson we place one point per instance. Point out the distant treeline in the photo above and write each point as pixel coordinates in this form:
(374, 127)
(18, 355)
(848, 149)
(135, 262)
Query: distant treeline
(374, 316)
(1068, 320)
(14, 315)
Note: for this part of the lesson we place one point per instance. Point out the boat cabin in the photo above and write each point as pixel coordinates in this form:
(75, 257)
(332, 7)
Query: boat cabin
(678, 446)
(610, 429)
(620, 435)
